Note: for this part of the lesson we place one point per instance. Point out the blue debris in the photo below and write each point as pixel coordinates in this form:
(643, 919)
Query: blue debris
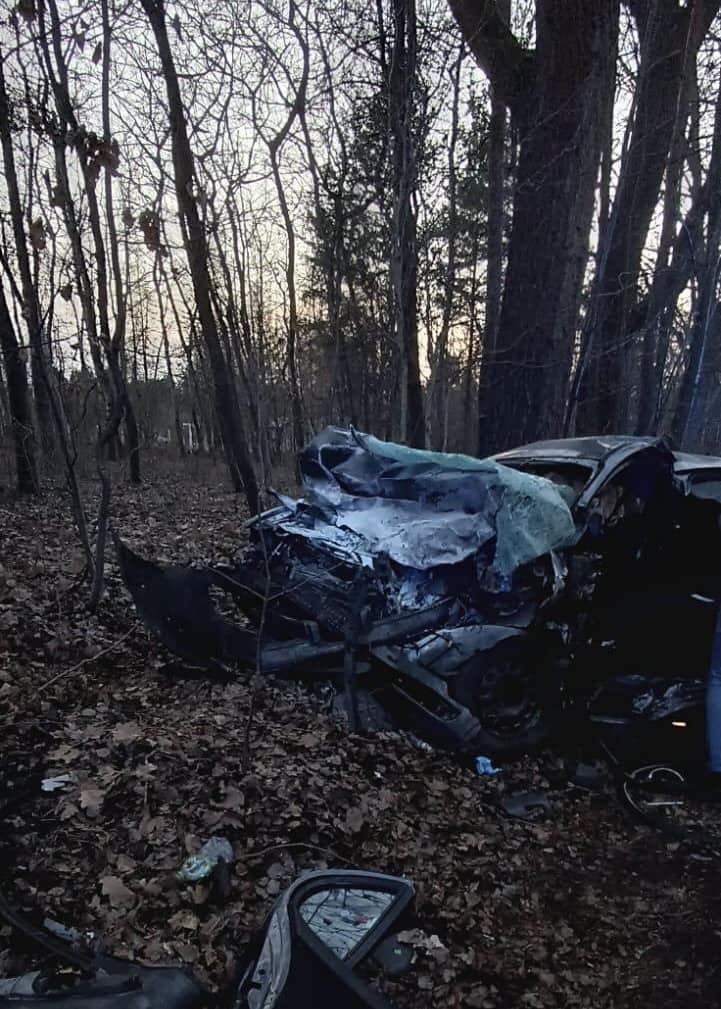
(484, 765)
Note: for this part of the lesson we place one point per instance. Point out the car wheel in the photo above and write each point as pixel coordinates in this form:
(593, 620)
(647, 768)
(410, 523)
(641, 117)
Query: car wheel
(516, 714)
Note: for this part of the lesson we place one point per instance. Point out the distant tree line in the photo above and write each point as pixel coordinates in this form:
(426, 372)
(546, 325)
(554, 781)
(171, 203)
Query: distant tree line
(463, 224)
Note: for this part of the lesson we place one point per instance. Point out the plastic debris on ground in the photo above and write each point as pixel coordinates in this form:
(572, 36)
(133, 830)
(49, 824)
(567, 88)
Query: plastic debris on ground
(588, 776)
(69, 934)
(484, 766)
(211, 866)
(527, 805)
(55, 784)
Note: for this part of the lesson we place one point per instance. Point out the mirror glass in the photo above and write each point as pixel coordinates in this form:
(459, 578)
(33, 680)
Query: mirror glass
(342, 918)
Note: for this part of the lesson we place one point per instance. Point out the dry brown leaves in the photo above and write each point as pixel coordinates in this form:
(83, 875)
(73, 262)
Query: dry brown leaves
(583, 910)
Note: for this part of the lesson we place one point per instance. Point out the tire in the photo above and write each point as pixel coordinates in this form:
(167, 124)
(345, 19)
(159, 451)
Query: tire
(517, 712)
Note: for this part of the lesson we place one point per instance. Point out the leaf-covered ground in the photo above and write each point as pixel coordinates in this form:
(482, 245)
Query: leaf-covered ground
(584, 909)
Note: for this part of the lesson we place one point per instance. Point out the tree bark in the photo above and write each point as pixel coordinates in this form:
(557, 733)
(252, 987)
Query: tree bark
(227, 412)
(494, 236)
(699, 376)
(19, 402)
(438, 398)
(31, 304)
(117, 342)
(404, 256)
(554, 95)
(296, 408)
(670, 37)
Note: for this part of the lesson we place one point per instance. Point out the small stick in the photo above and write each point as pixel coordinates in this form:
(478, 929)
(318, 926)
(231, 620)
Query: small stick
(293, 844)
(85, 662)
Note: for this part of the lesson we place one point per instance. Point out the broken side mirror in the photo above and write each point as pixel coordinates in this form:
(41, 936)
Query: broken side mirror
(322, 928)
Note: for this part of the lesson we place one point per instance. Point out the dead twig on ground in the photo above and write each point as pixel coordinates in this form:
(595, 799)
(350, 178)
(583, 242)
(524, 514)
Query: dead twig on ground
(295, 844)
(85, 662)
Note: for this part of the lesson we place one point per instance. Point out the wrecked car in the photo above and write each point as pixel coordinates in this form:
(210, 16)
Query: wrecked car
(326, 933)
(463, 595)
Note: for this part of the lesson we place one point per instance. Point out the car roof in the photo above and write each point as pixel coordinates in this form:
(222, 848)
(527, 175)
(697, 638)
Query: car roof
(592, 451)
(690, 462)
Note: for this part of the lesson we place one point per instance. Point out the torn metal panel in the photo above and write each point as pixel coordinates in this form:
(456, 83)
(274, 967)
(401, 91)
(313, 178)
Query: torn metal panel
(425, 510)
(447, 651)
(176, 604)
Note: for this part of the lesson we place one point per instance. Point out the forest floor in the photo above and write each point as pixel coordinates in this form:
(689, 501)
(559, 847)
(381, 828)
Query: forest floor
(584, 909)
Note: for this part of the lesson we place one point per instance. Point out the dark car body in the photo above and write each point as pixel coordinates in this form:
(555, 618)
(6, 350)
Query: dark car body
(601, 458)
(459, 592)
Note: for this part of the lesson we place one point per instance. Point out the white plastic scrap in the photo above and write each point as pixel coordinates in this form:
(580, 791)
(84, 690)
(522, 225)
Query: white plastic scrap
(58, 782)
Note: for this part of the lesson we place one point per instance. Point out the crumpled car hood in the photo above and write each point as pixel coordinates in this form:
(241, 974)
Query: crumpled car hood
(423, 509)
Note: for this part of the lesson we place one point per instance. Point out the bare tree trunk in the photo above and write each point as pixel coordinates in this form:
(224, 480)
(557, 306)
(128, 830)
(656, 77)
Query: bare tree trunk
(439, 375)
(342, 390)
(85, 284)
(227, 412)
(232, 328)
(689, 250)
(292, 342)
(671, 34)
(471, 441)
(494, 240)
(117, 342)
(19, 402)
(168, 363)
(554, 95)
(274, 147)
(31, 304)
(202, 424)
(404, 259)
(699, 378)
(243, 335)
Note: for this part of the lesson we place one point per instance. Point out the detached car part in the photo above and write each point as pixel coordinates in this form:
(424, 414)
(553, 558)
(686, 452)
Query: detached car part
(116, 984)
(94, 980)
(322, 928)
(317, 935)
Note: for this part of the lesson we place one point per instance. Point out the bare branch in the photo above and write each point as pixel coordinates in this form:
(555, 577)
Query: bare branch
(500, 55)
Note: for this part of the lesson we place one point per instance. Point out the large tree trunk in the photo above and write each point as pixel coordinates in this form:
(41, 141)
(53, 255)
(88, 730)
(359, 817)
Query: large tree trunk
(19, 401)
(701, 378)
(689, 250)
(227, 412)
(670, 34)
(404, 256)
(701, 375)
(554, 95)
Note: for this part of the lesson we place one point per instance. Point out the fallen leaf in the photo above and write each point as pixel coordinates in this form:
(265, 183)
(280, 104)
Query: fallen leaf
(125, 863)
(187, 951)
(354, 820)
(91, 799)
(183, 920)
(116, 891)
(126, 732)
